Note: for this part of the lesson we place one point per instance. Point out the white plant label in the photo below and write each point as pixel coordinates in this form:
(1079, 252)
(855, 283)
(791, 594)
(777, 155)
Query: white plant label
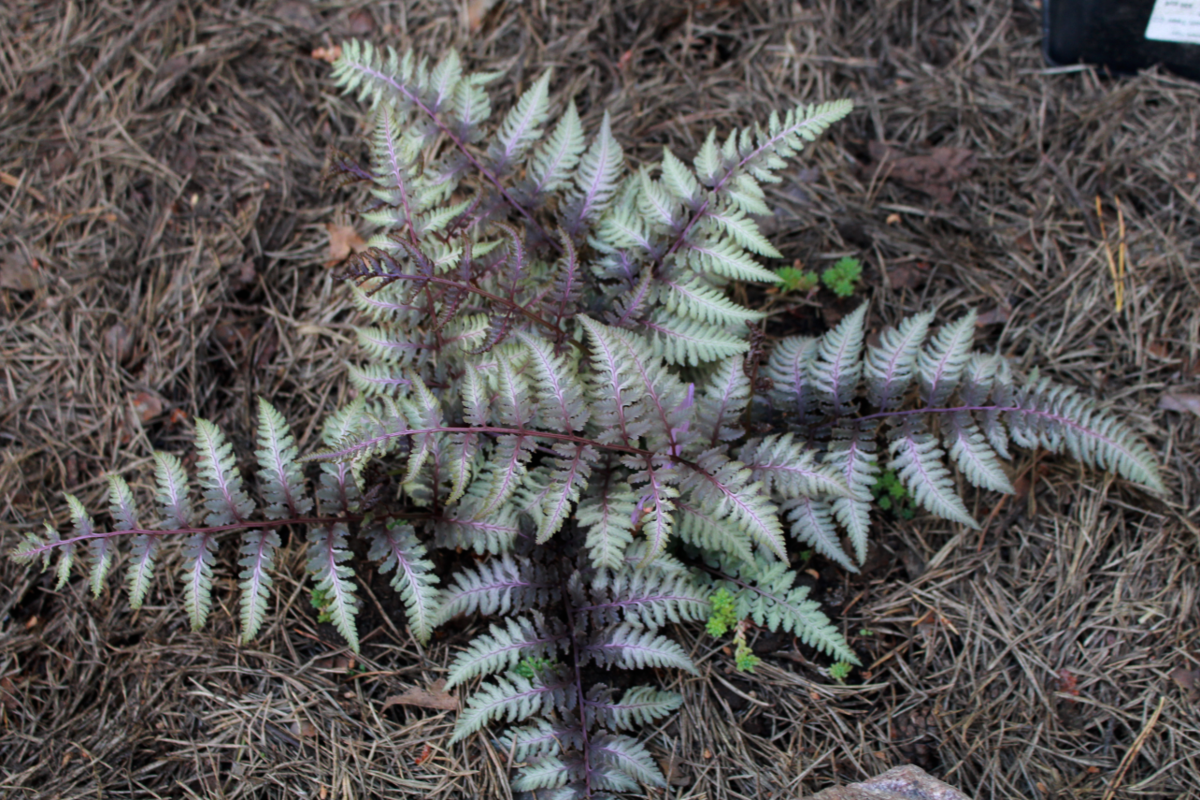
(1175, 21)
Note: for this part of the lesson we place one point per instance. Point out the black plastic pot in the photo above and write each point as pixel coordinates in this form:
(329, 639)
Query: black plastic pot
(1113, 34)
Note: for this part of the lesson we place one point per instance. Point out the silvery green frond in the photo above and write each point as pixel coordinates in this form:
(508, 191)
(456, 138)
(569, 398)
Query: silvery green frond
(257, 556)
(788, 368)
(812, 523)
(521, 126)
(708, 253)
(606, 512)
(377, 379)
(631, 647)
(443, 80)
(1059, 419)
(142, 555)
(172, 494)
(788, 468)
(767, 594)
(562, 407)
(722, 403)
(712, 532)
(648, 598)
(327, 552)
(708, 161)
(551, 165)
(512, 698)
(657, 206)
(548, 776)
(941, 363)
(199, 554)
(852, 453)
(499, 586)
(970, 450)
(518, 638)
(399, 552)
(697, 299)
(596, 178)
(639, 705)
(461, 525)
(571, 469)
(102, 550)
(917, 460)
(889, 366)
(724, 489)
(683, 341)
(837, 366)
(224, 496)
(743, 230)
(680, 181)
(627, 755)
(280, 480)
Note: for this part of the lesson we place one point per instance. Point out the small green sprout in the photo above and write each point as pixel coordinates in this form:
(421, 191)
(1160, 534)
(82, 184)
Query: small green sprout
(806, 556)
(724, 613)
(743, 657)
(891, 495)
(320, 601)
(794, 279)
(843, 276)
(840, 671)
(531, 666)
(865, 632)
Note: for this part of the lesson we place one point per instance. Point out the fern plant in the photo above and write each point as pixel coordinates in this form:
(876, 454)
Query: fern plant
(557, 381)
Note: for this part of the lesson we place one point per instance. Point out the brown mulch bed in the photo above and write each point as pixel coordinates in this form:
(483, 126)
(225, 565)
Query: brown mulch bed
(162, 246)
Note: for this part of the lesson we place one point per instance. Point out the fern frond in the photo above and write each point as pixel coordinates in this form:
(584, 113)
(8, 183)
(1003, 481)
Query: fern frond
(541, 738)
(377, 379)
(630, 647)
(506, 646)
(695, 298)
(562, 406)
(679, 180)
(396, 547)
(172, 494)
(647, 598)
(788, 368)
(812, 523)
(712, 532)
(767, 594)
(199, 557)
(852, 453)
(723, 488)
(639, 705)
(837, 367)
(102, 550)
(258, 556)
(496, 587)
(743, 230)
(941, 364)
(889, 367)
(787, 468)
(689, 341)
(224, 497)
(606, 512)
(970, 450)
(548, 774)
(1059, 419)
(521, 126)
(723, 257)
(722, 403)
(917, 462)
(596, 177)
(280, 481)
(513, 698)
(332, 578)
(551, 165)
(627, 755)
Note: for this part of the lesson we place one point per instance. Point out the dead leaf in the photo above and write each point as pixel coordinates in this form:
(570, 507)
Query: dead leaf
(909, 275)
(147, 405)
(8, 694)
(330, 54)
(476, 11)
(119, 343)
(343, 240)
(1180, 401)
(303, 729)
(935, 174)
(296, 12)
(675, 770)
(19, 272)
(361, 22)
(997, 316)
(433, 697)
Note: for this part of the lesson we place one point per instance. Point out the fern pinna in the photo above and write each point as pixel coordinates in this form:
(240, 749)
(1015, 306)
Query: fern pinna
(558, 382)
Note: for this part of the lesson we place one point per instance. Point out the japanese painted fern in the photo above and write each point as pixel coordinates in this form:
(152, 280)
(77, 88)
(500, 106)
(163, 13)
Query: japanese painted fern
(558, 382)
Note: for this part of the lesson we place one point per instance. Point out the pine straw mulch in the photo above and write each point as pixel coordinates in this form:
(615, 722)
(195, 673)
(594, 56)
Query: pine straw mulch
(163, 233)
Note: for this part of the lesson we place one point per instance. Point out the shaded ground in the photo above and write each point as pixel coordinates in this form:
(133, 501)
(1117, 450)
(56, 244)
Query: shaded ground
(162, 236)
